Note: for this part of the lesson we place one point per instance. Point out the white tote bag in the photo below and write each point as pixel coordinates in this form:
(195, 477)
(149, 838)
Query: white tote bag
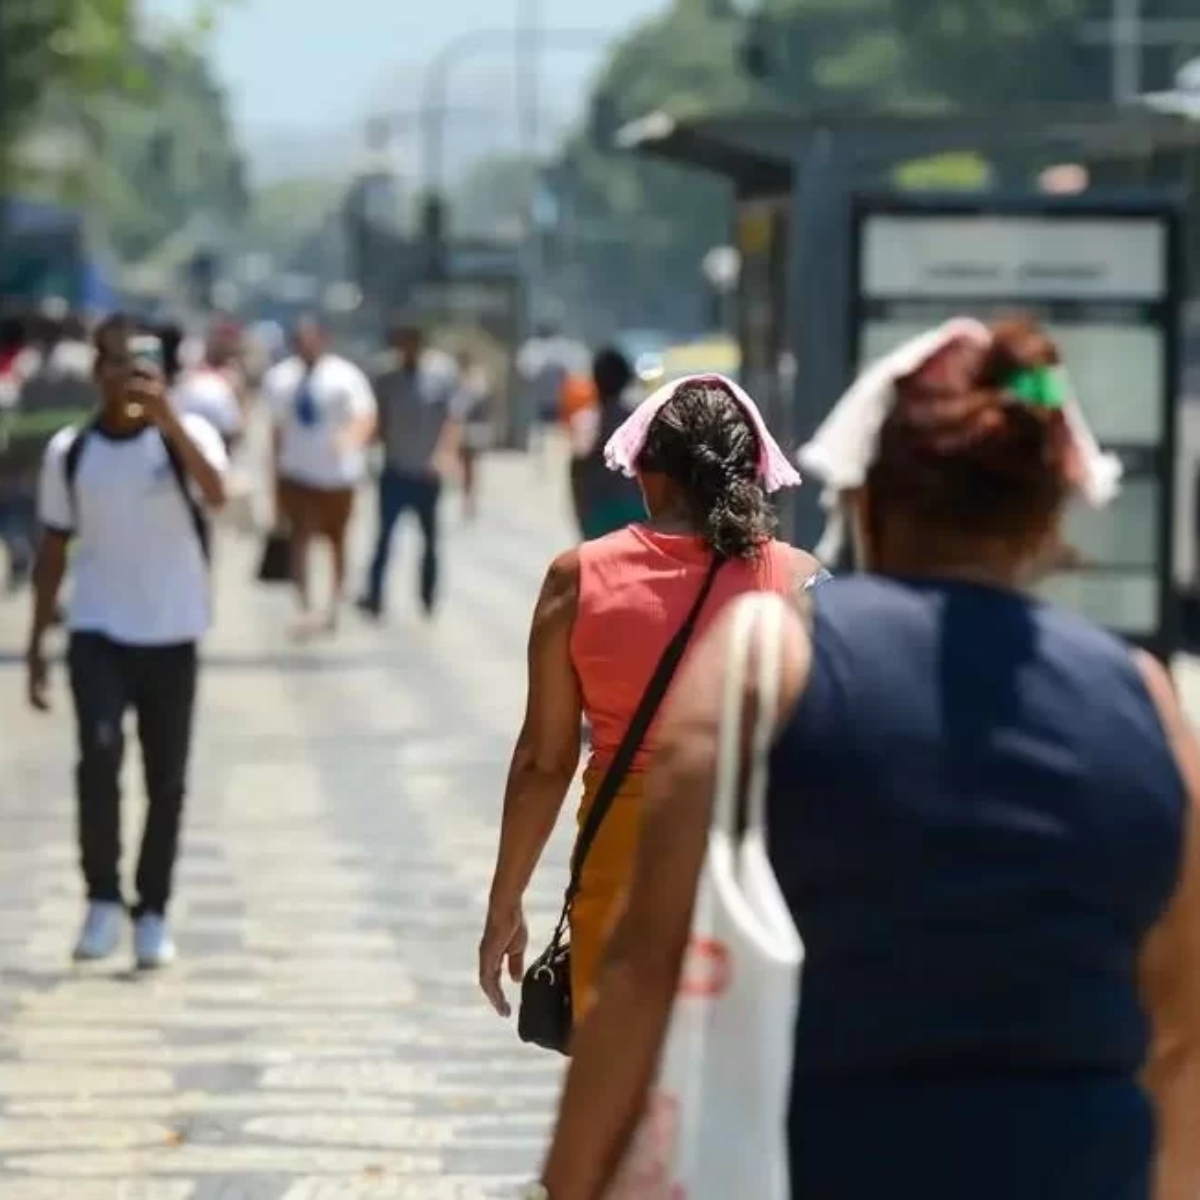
(715, 1126)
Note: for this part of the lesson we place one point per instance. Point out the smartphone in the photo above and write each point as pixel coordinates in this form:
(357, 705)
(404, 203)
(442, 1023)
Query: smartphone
(146, 351)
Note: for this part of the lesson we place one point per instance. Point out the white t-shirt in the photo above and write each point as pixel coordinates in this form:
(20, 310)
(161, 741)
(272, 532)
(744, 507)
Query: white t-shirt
(139, 575)
(312, 410)
(209, 394)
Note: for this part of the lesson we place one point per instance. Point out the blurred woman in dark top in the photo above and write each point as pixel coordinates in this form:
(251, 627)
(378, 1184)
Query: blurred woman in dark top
(982, 817)
(604, 500)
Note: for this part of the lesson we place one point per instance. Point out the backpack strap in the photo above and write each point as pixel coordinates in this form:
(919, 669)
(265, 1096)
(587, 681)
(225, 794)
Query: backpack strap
(195, 511)
(71, 462)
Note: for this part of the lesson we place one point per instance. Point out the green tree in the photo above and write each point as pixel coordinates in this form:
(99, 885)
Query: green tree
(643, 227)
(979, 53)
(46, 45)
(164, 152)
(146, 124)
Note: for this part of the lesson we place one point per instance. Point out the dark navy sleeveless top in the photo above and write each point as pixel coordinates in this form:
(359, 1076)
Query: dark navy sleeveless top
(975, 818)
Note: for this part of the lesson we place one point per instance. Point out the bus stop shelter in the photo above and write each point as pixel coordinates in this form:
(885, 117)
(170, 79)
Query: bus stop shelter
(798, 179)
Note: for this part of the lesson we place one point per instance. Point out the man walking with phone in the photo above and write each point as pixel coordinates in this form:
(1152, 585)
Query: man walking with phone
(131, 488)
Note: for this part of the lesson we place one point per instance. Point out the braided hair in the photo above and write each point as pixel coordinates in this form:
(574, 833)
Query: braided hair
(704, 443)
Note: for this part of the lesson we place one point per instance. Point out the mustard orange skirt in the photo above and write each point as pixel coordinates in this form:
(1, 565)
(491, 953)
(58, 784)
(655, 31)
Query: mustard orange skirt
(606, 876)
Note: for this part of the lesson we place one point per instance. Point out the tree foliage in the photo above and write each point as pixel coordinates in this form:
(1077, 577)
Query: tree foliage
(987, 52)
(646, 225)
(50, 45)
(148, 126)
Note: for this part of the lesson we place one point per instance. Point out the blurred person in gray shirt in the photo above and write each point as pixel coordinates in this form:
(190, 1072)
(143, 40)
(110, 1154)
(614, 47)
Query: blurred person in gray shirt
(420, 426)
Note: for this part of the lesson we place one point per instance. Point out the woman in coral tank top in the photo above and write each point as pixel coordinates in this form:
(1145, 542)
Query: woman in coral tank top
(607, 610)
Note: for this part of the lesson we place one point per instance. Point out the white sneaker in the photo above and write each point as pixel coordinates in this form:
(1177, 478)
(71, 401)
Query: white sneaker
(152, 942)
(101, 933)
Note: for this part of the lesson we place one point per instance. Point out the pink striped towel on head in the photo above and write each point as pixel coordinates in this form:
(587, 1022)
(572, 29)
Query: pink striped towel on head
(625, 446)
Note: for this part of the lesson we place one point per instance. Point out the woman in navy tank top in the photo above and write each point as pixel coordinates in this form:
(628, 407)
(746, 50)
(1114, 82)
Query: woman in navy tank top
(982, 817)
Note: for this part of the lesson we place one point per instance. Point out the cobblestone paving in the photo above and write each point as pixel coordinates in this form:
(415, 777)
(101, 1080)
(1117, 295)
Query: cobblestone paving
(322, 1037)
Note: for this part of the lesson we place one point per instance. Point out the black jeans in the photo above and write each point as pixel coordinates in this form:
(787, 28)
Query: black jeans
(400, 491)
(159, 684)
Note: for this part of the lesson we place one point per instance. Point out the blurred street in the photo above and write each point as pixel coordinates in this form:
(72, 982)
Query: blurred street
(322, 1037)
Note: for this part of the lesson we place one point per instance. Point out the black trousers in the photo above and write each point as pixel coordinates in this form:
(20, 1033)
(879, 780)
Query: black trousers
(399, 492)
(159, 684)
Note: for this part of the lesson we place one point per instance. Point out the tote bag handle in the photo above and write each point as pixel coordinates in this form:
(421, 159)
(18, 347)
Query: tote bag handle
(764, 615)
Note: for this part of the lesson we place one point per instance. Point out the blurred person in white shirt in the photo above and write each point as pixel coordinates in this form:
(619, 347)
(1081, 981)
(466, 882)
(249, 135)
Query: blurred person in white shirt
(475, 408)
(208, 391)
(324, 414)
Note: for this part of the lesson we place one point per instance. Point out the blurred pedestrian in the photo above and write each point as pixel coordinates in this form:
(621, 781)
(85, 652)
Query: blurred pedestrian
(475, 406)
(421, 428)
(129, 488)
(207, 390)
(324, 415)
(604, 500)
(545, 362)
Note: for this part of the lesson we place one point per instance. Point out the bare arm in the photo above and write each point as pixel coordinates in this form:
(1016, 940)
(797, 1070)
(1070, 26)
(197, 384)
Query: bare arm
(1170, 976)
(543, 764)
(449, 446)
(48, 573)
(546, 755)
(803, 566)
(615, 1051)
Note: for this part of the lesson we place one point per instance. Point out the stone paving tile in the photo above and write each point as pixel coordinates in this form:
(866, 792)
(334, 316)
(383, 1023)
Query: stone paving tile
(322, 1037)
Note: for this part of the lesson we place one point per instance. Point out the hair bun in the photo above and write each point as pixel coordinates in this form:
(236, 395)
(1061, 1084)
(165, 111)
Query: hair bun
(965, 454)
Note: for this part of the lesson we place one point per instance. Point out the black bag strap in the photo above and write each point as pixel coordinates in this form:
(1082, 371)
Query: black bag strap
(639, 725)
(195, 512)
(71, 463)
(178, 470)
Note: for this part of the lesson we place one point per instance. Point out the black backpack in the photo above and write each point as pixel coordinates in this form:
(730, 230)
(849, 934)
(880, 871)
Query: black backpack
(195, 511)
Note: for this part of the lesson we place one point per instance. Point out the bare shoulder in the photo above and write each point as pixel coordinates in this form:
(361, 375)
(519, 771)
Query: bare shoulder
(559, 596)
(1159, 684)
(804, 565)
(1175, 723)
(562, 577)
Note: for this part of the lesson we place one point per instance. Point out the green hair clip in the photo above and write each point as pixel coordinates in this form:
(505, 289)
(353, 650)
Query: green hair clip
(1040, 386)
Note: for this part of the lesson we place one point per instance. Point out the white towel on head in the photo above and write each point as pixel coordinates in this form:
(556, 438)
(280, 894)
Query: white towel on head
(842, 450)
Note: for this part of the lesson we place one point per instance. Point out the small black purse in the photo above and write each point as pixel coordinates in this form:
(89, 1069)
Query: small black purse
(544, 1018)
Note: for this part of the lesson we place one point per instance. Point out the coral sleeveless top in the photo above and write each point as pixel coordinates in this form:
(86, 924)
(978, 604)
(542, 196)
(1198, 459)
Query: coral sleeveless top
(636, 588)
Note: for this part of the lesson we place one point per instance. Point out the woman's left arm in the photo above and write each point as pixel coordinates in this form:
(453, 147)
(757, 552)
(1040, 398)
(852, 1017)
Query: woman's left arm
(544, 762)
(615, 1051)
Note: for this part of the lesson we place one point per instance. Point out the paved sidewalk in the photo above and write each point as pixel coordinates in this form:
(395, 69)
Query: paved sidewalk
(322, 1037)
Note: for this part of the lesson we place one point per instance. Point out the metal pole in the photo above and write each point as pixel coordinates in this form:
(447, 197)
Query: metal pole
(1127, 52)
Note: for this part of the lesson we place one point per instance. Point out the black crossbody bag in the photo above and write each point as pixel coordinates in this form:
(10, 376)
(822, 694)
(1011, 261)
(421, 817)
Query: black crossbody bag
(545, 1014)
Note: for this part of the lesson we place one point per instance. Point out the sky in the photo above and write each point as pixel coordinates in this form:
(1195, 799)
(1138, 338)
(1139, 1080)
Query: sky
(312, 70)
